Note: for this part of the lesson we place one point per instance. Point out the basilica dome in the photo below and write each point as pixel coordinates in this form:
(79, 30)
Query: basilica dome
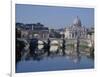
(77, 22)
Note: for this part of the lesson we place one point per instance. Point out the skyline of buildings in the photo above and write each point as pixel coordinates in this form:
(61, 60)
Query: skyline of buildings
(73, 31)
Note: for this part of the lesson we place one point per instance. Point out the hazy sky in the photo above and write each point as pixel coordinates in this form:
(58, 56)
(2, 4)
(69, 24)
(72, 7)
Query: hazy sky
(52, 16)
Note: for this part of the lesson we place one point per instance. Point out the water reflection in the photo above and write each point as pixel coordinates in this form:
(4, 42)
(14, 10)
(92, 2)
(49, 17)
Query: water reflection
(46, 56)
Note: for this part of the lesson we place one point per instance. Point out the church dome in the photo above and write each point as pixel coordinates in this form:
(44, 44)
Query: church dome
(77, 22)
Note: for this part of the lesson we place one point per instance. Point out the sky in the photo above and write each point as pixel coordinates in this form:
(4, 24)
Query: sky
(53, 16)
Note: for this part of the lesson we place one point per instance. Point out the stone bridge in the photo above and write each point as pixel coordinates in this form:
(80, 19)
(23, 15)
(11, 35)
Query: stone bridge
(68, 41)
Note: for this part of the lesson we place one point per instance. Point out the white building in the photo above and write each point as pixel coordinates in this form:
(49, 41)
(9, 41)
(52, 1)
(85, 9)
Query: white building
(75, 30)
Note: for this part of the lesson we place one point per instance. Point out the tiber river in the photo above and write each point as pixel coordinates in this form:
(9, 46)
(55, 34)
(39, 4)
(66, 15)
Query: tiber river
(54, 62)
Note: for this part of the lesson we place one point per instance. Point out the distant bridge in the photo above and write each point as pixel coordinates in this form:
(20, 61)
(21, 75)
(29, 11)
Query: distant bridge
(67, 41)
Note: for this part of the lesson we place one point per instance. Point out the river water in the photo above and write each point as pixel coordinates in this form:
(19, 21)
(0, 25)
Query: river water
(55, 62)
